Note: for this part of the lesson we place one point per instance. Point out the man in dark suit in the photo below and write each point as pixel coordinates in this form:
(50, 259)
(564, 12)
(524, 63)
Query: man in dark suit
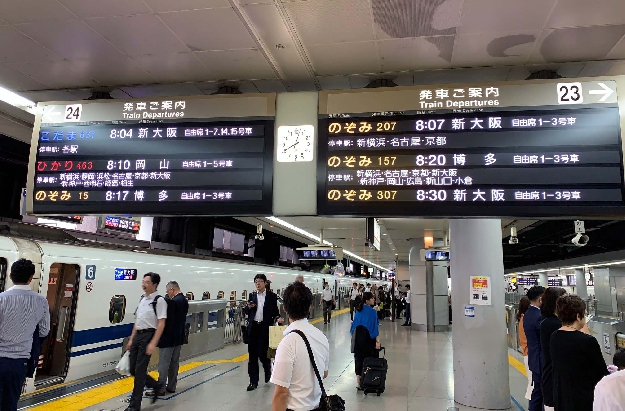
(262, 312)
(172, 339)
(531, 324)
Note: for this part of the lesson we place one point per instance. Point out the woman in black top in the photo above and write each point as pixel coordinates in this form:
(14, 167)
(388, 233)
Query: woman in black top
(549, 324)
(576, 359)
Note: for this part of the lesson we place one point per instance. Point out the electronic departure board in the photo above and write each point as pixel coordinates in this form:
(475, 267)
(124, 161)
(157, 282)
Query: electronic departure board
(155, 168)
(538, 162)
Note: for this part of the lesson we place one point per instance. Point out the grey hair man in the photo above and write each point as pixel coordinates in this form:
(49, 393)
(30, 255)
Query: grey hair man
(299, 278)
(172, 339)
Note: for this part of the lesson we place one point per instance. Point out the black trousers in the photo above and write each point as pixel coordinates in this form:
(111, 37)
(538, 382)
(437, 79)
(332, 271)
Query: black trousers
(352, 307)
(327, 311)
(257, 348)
(139, 361)
(12, 377)
(536, 402)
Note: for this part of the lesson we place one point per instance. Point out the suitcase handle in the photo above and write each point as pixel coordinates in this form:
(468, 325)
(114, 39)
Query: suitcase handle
(382, 349)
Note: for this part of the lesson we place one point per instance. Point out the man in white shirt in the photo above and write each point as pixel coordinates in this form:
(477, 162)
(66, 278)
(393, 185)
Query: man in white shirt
(328, 302)
(149, 325)
(353, 294)
(610, 391)
(297, 388)
(408, 321)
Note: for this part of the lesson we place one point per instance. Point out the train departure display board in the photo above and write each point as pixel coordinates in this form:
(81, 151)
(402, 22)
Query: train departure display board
(520, 162)
(180, 166)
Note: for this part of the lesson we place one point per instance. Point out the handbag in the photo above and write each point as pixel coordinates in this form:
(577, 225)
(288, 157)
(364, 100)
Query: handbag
(328, 402)
(123, 366)
(275, 336)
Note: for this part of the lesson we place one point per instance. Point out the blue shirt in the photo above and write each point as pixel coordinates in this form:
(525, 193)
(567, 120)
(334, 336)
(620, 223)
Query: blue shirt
(368, 318)
(21, 310)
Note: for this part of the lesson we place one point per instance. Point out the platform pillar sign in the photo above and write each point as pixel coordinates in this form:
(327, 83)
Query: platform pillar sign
(481, 369)
(487, 150)
(480, 293)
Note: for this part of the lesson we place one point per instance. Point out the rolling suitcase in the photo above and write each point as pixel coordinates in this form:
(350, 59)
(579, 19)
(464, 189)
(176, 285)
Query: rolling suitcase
(374, 371)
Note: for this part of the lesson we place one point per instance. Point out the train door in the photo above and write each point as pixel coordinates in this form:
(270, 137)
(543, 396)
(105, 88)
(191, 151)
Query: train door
(63, 282)
(3, 273)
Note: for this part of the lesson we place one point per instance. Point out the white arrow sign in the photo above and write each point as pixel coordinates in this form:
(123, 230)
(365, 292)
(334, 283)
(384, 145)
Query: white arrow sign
(607, 92)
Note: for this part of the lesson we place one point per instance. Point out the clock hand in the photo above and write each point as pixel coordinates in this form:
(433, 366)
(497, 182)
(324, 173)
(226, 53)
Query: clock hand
(286, 149)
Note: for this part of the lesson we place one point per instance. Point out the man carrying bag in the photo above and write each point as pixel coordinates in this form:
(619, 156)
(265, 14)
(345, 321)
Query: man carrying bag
(297, 387)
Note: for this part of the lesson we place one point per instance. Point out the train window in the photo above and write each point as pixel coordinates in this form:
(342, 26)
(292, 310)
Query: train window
(244, 295)
(220, 295)
(206, 295)
(117, 309)
(190, 296)
(233, 295)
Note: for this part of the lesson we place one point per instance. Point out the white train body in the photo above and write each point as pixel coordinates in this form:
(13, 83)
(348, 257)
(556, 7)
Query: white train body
(86, 341)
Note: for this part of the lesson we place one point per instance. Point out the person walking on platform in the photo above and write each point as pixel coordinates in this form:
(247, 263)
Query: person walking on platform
(364, 342)
(352, 299)
(576, 358)
(24, 321)
(610, 391)
(328, 302)
(408, 321)
(172, 339)
(297, 388)
(548, 326)
(531, 326)
(146, 333)
(262, 312)
(299, 278)
(524, 305)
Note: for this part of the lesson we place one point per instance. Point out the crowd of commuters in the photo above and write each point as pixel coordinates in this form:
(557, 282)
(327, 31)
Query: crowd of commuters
(567, 371)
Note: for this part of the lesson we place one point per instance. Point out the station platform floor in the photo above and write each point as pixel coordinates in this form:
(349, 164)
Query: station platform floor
(420, 377)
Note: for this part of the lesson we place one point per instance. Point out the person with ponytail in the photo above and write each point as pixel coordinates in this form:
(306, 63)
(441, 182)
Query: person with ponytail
(365, 332)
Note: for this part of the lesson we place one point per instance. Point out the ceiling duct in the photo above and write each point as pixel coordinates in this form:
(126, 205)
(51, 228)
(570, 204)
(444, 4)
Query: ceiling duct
(100, 95)
(381, 82)
(544, 75)
(227, 90)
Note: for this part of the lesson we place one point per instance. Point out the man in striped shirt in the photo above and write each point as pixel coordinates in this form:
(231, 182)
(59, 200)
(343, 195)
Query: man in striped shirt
(21, 311)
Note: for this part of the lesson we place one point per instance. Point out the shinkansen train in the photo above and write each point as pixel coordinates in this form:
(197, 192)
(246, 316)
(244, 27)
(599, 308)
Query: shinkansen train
(94, 289)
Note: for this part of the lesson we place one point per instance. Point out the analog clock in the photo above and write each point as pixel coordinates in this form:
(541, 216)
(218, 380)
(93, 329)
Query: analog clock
(295, 143)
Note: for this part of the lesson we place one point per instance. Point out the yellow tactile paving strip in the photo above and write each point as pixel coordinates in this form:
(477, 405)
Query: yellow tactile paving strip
(105, 392)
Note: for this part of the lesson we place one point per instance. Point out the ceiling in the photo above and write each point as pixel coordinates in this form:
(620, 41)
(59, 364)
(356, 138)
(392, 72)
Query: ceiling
(349, 233)
(63, 49)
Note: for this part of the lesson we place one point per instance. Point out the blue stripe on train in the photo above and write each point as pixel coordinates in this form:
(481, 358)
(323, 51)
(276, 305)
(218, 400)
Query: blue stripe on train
(98, 335)
(97, 349)
(114, 332)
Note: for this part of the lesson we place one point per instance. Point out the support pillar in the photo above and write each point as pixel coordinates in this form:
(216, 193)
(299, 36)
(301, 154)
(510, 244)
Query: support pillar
(481, 370)
(418, 286)
(580, 283)
(543, 279)
(145, 230)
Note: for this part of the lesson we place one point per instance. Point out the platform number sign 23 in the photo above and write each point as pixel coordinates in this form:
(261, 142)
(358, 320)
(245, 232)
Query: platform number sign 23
(570, 93)
(73, 112)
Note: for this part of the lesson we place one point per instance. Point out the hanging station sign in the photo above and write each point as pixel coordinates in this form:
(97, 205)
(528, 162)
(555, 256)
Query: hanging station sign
(518, 150)
(183, 156)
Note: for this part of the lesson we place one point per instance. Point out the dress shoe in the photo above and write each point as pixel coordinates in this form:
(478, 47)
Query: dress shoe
(170, 391)
(155, 394)
(252, 387)
(267, 378)
(160, 393)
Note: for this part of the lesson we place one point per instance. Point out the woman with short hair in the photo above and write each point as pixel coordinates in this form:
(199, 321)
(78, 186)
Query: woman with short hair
(577, 362)
(365, 332)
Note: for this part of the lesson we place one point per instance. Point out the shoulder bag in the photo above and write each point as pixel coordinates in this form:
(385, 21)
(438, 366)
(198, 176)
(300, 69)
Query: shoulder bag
(328, 402)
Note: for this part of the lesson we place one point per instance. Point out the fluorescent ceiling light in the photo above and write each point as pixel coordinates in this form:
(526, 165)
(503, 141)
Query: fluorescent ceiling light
(18, 101)
(317, 239)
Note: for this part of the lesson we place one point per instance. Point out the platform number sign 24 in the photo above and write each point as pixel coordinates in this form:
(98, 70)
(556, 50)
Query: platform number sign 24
(73, 112)
(570, 93)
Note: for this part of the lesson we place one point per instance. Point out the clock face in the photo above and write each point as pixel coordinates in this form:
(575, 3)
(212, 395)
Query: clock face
(295, 143)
